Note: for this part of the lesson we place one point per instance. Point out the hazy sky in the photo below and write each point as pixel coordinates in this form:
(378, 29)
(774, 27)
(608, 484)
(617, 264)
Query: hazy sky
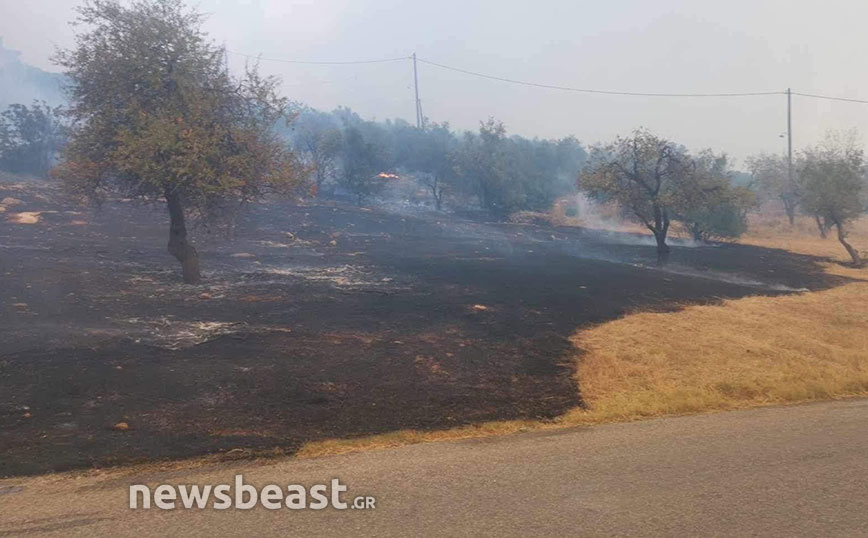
(631, 45)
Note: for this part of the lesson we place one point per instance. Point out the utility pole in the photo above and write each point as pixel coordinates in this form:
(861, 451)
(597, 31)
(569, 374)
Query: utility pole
(790, 136)
(419, 116)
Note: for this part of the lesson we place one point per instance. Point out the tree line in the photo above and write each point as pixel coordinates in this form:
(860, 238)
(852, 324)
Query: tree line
(31, 138)
(154, 114)
(501, 173)
(827, 182)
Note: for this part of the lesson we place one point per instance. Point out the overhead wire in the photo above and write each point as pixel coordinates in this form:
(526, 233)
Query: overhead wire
(588, 90)
(314, 62)
(548, 86)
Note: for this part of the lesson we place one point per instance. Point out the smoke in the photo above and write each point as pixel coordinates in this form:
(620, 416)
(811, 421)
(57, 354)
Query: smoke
(598, 229)
(605, 219)
(729, 278)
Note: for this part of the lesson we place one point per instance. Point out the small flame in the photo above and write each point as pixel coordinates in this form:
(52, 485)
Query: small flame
(385, 175)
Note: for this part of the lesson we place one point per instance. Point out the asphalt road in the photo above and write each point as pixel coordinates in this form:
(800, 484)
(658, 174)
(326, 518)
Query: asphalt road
(784, 471)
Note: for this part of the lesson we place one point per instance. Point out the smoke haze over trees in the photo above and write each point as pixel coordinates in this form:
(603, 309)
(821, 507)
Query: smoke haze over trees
(22, 83)
(487, 169)
(182, 102)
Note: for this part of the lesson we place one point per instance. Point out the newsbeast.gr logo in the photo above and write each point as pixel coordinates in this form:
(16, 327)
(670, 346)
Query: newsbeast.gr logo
(246, 496)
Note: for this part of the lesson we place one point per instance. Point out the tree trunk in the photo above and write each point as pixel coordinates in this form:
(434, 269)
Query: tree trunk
(662, 248)
(660, 229)
(179, 247)
(437, 191)
(821, 226)
(842, 237)
(789, 207)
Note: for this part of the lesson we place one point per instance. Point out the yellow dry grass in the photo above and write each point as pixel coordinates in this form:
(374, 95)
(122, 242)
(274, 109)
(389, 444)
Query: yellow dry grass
(745, 352)
(411, 437)
(770, 229)
(739, 353)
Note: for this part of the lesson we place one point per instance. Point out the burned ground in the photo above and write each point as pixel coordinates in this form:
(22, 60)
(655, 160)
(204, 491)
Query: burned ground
(317, 321)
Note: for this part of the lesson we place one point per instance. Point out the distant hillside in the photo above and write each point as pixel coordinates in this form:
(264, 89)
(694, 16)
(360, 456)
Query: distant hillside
(22, 83)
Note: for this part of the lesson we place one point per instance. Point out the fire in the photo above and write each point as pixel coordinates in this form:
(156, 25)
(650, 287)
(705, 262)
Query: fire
(386, 175)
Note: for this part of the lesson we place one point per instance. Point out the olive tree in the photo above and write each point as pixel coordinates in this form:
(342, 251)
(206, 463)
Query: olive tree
(319, 140)
(362, 164)
(31, 137)
(427, 152)
(833, 175)
(707, 203)
(487, 168)
(772, 178)
(158, 117)
(641, 174)
(657, 182)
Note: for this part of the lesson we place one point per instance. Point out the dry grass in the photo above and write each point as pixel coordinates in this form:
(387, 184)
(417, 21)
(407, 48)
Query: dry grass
(771, 229)
(741, 353)
(411, 437)
(745, 352)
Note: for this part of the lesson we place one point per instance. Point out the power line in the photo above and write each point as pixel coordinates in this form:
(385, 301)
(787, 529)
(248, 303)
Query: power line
(306, 62)
(815, 96)
(547, 86)
(586, 90)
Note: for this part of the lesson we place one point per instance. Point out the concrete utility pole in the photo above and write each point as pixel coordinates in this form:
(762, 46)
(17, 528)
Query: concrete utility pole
(419, 117)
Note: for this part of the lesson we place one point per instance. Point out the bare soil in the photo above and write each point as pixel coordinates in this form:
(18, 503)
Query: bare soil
(317, 321)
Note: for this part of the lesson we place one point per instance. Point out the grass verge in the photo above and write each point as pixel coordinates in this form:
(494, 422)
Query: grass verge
(741, 353)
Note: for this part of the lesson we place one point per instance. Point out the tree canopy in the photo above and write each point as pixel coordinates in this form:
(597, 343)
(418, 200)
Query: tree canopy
(833, 176)
(658, 182)
(708, 203)
(31, 137)
(157, 116)
(642, 175)
(773, 182)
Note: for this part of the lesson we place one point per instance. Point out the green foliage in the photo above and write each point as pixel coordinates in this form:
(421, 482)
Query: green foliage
(363, 161)
(833, 175)
(722, 220)
(773, 182)
(642, 175)
(511, 174)
(157, 113)
(427, 154)
(657, 182)
(709, 205)
(158, 117)
(504, 174)
(482, 163)
(30, 138)
(318, 138)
